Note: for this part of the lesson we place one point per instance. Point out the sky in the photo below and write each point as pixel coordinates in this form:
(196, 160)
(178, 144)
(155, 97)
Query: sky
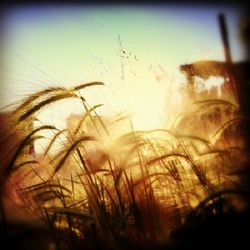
(135, 50)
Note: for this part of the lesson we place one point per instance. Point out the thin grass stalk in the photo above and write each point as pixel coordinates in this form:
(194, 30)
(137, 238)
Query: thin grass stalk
(93, 187)
(37, 174)
(94, 204)
(72, 187)
(116, 185)
(203, 180)
(139, 158)
(211, 102)
(21, 146)
(69, 220)
(26, 163)
(90, 117)
(135, 210)
(226, 125)
(85, 85)
(37, 95)
(84, 118)
(53, 140)
(45, 185)
(44, 103)
(71, 149)
(102, 123)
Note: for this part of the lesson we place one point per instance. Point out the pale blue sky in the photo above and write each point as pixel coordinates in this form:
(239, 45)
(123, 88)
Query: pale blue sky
(46, 46)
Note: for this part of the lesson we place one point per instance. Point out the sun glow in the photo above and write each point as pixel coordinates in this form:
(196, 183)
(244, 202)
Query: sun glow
(142, 94)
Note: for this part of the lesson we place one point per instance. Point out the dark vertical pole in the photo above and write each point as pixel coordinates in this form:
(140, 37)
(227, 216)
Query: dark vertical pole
(230, 73)
(224, 36)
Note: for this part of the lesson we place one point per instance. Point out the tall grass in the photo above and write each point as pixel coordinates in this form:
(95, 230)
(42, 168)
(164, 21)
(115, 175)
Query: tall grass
(133, 191)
